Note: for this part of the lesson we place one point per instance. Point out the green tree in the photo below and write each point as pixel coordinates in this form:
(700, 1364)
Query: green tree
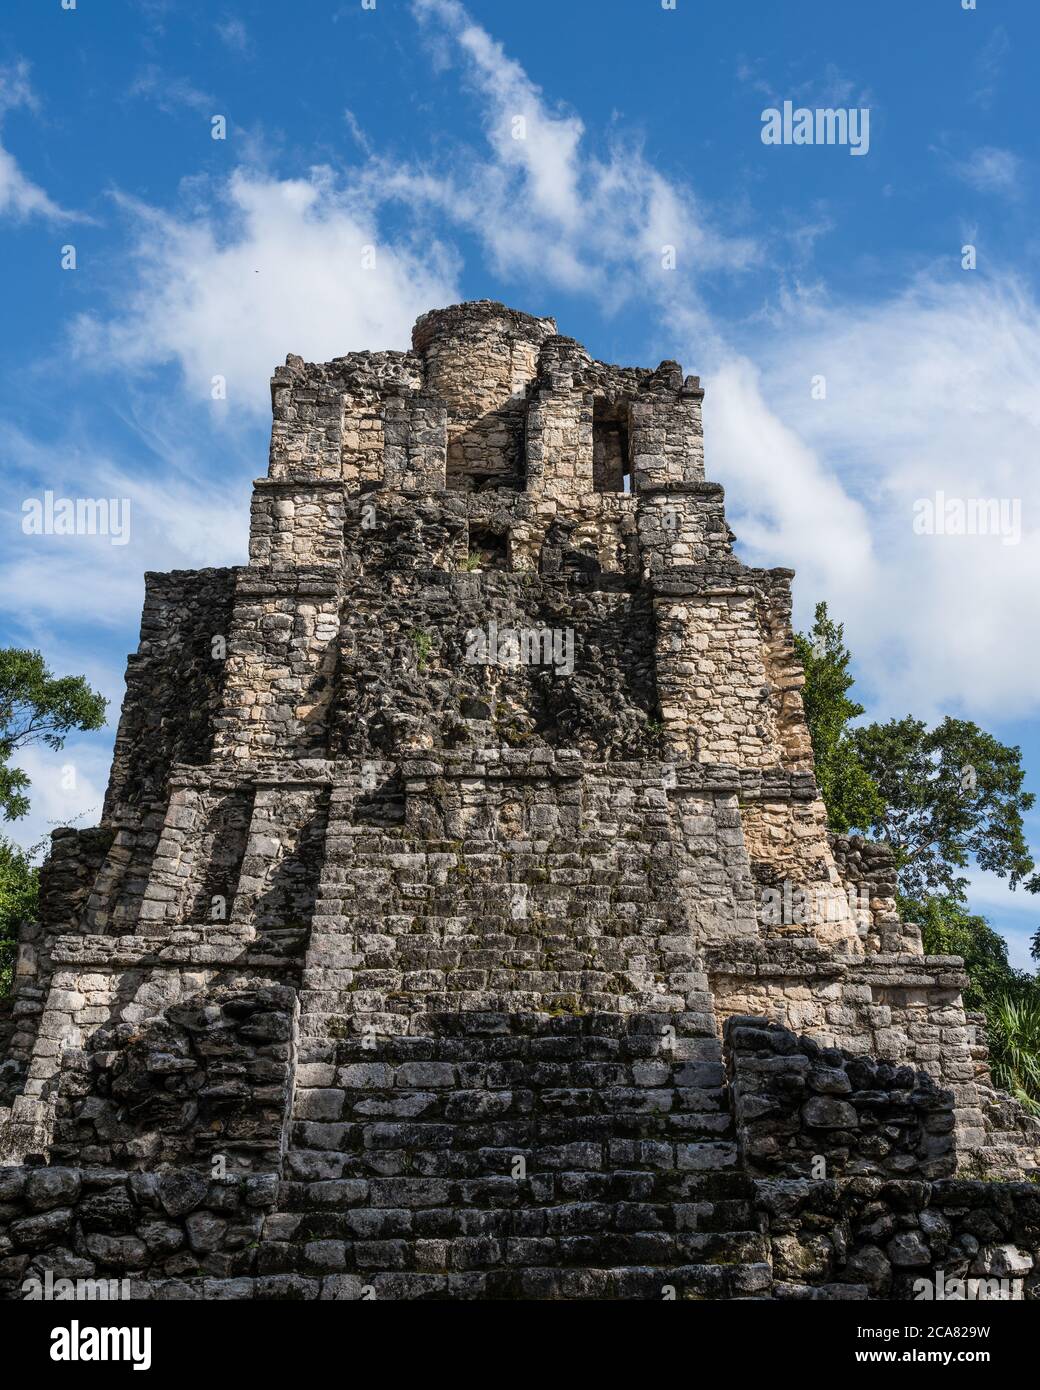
(940, 798)
(848, 792)
(19, 899)
(949, 795)
(949, 929)
(37, 707)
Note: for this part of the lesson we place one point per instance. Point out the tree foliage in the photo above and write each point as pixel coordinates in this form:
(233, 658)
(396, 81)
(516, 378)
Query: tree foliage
(37, 707)
(19, 898)
(949, 795)
(941, 798)
(849, 793)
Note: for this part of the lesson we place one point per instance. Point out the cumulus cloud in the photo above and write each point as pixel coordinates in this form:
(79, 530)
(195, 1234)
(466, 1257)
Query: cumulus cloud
(931, 391)
(20, 198)
(270, 265)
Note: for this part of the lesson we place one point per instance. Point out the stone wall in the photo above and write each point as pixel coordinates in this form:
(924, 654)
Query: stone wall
(899, 1009)
(172, 682)
(868, 868)
(871, 1238)
(854, 1191)
(169, 1235)
(806, 1110)
(210, 1074)
(587, 1156)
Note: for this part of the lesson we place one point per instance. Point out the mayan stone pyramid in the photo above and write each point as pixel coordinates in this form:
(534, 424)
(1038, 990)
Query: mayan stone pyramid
(462, 921)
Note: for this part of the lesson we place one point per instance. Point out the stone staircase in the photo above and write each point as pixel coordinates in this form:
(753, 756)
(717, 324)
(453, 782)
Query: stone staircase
(498, 1096)
(404, 926)
(519, 1156)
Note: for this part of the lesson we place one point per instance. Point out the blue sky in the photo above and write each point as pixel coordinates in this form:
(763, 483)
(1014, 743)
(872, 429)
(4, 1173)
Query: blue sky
(351, 127)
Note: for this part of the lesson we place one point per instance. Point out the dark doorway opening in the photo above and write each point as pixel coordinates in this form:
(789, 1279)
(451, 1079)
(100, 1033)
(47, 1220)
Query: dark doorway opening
(611, 468)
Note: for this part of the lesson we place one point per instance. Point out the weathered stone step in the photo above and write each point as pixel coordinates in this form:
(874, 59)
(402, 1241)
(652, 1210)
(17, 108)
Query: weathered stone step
(623, 1283)
(576, 1233)
(461, 1253)
(719, 1200)
(597, 989)
(374, 1007)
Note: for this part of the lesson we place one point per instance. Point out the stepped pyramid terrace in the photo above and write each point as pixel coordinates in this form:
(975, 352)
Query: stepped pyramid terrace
(463, 921)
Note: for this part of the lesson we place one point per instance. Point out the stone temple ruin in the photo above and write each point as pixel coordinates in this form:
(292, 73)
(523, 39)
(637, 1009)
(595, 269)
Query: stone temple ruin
(463, 921)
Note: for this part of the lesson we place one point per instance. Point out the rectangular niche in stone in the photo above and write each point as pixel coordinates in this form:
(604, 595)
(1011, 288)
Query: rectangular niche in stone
(214, 854)
(488, 548)
(611, 468)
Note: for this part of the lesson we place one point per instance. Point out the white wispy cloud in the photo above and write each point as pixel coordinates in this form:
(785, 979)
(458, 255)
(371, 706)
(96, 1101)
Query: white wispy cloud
(225, 285)
(546, 200)
(68, 788)
(169, 92)
(269, 266)
(989, 67)
(234, 34)
(783, 501)
(20, 198)
(54, 585)
(990, 170)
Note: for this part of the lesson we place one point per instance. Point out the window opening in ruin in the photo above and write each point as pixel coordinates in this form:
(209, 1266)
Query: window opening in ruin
(611, 468)
(488, 549)
(486, 452)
